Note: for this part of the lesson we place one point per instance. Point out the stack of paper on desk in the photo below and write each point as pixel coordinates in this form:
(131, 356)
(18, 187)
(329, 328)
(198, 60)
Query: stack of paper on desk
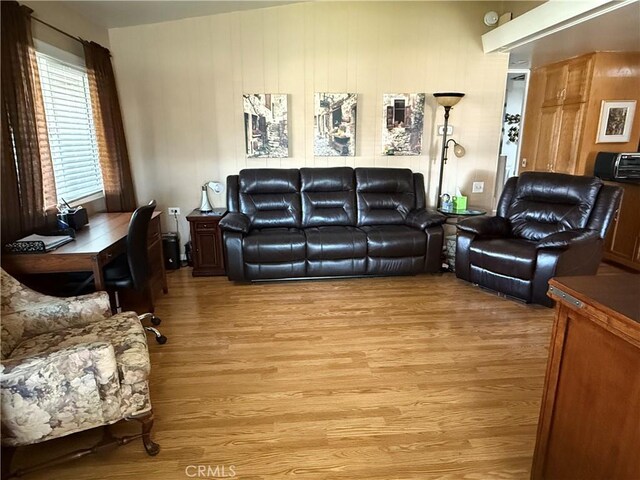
(50, 243)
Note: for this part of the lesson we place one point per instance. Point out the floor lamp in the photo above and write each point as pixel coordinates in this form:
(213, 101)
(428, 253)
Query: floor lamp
(447, 100)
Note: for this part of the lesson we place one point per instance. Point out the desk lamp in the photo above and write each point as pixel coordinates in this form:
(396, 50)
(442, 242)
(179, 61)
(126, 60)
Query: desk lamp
(205, 204)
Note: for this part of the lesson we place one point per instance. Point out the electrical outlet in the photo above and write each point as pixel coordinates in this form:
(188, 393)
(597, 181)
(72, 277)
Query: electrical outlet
(449, 130)
(174, 210)
(478, 187)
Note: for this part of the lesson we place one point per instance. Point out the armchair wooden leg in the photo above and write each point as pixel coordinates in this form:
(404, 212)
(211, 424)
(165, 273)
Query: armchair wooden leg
(150, 446)
(108, 441)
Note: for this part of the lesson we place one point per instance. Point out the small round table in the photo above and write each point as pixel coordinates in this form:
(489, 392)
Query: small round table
(450, 240)
(467, 212)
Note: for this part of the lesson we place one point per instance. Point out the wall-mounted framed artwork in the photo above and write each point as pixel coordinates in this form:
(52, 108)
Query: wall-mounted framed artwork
(265, 125)
(616, 120)
(334, 124)
(403, 120)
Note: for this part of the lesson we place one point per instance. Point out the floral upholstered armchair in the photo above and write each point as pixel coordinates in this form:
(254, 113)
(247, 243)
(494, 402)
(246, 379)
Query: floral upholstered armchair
(68, 365)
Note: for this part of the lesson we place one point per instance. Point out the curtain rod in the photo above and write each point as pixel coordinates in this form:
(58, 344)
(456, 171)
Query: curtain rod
(77, 39)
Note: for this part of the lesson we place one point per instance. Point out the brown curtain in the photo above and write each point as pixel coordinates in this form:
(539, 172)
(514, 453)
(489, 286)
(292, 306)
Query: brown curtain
(112, 144)
(28, 184)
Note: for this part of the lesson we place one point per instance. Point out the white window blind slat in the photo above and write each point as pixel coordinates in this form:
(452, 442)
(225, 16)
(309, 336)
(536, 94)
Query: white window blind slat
(72, 137)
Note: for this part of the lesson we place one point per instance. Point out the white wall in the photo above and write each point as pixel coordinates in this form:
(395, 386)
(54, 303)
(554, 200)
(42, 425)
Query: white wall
(181, 86)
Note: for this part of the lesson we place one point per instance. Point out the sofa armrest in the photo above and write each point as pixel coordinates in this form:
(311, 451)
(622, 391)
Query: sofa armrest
(60, 392)
(567, 238)
(485, 226)
(235, 222)
(422, 219)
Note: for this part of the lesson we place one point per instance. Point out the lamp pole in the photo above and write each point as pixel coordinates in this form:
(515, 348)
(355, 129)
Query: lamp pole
(443, 158)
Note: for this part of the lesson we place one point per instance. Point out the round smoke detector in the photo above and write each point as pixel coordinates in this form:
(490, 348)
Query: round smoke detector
(490, 18)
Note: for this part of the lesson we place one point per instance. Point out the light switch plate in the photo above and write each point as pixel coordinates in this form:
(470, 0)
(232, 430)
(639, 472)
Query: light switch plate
(478, 187)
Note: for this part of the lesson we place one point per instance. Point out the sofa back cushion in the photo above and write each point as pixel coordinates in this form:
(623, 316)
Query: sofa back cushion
(545, 203)
(384, 195)
(270, 197)
(328, 196)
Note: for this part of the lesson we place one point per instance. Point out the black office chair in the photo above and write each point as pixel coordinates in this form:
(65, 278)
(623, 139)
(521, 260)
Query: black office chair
(131, 270)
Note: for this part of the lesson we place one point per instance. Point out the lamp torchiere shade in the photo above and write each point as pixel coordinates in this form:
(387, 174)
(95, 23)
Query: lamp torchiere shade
(448, 99)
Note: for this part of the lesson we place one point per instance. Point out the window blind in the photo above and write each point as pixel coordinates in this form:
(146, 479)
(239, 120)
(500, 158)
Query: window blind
(72, 137)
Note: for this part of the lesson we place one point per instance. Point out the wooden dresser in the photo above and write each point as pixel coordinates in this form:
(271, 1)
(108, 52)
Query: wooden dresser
(589, 425)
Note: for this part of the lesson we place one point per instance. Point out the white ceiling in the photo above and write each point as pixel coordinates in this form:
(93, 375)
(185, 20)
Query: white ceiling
(111, 14)
(616, 31)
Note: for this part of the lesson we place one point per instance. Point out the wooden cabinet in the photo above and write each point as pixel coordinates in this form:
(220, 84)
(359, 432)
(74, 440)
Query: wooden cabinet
(551, 142)
(589, 425)
(206, 243)
(623, 241)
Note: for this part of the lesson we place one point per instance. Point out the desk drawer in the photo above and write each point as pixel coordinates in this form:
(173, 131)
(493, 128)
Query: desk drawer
(154, 234)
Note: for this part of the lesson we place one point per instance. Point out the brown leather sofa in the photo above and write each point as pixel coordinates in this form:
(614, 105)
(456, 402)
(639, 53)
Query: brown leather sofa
(319, 222)
(547, 225)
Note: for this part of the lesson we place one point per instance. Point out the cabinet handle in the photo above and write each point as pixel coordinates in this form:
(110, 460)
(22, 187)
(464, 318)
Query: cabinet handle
(563, 93)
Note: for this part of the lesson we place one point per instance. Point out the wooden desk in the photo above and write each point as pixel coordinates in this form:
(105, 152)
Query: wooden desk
(589, 425)
(94, 246)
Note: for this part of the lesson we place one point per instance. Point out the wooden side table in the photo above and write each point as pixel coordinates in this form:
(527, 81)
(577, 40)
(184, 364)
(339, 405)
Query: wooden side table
(206, 242)
(589, 424)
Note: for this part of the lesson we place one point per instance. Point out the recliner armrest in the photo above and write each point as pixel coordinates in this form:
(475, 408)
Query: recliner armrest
(422, 219)
(567, 238)
(235, 222)
(485, 226)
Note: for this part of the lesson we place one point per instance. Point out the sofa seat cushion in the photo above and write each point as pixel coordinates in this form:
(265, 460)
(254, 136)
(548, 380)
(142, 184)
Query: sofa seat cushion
(273, 245)
(395, 241)
(124, 331)
(514, 257)
(335, 243)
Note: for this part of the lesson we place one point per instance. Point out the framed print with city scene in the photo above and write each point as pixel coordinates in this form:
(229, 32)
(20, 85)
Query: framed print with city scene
(265, 125)
(403, 117)
(334, 123)
(616, 120)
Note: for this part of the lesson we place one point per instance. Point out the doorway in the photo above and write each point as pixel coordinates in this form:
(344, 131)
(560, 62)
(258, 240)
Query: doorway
(512, 119)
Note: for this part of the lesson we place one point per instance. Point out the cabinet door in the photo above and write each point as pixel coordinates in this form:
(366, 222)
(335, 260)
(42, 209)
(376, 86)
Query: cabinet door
(623, 245)
(578, 79)
(569, 134)
(529, 138)
(556, 79)
(207, 254)
(547, 144)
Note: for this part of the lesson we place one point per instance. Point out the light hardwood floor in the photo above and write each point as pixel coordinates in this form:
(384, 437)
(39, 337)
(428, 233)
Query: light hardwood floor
(386, 378)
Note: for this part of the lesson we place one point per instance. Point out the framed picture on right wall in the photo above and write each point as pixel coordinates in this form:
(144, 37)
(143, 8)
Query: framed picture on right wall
(616, 120)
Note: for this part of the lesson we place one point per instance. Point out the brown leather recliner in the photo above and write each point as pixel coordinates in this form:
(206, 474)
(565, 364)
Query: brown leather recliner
(547, 225)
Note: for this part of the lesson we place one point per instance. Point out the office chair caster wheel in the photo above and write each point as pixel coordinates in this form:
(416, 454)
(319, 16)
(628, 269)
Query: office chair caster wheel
(156, 321)
(161, 339)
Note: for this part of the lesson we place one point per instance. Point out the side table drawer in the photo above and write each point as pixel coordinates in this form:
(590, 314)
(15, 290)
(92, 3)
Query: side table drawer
(206, 226)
